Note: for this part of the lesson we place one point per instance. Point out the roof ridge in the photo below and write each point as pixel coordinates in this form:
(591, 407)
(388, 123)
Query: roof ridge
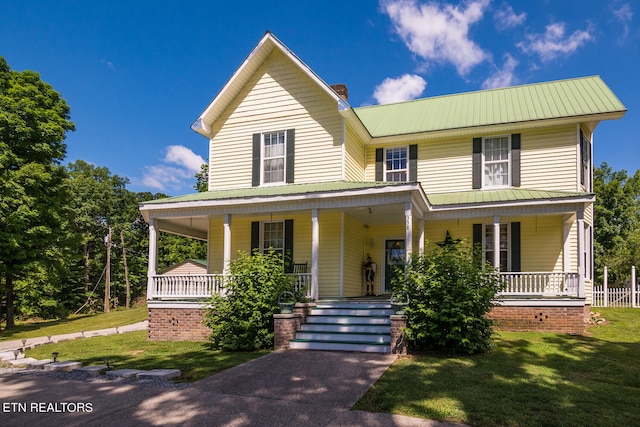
(480, 91)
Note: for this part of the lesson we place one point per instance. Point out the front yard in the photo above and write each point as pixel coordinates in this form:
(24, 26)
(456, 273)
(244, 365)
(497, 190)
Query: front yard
(528, 379)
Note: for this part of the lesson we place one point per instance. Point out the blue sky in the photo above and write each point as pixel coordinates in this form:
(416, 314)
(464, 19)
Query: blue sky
(138, 73)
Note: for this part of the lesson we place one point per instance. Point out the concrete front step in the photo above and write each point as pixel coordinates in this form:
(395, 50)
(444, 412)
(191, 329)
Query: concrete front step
(352, 304)
(350, 320)
(340, 346)
(351, 328)
(344, 337)
(357, 312)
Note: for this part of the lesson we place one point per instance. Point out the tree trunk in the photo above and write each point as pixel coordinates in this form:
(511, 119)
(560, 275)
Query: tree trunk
(107, 285)
(86, 268)
(126, 272)
(10, 311)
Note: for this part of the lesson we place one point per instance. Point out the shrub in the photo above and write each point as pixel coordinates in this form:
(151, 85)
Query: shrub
(450, 295)
(242, 319)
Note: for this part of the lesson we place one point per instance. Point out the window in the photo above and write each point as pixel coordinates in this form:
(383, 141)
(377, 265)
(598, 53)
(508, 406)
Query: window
(496, 162)
(488, 247)
(396, 164)
(273, 237)
(273, 157)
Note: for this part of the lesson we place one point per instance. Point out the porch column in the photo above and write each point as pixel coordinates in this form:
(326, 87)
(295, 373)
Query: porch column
(581, 260)
(315, 244)
(408, 231)
(496, 242)
(421, 234)
(153, 256)
(566, 249)
(226, 255)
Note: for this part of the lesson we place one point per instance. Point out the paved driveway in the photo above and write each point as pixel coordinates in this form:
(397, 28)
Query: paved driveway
(286, 388)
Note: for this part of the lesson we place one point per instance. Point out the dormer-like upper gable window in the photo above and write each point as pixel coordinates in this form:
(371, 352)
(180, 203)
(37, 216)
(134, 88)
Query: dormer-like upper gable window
(396, 164)
(273, 157)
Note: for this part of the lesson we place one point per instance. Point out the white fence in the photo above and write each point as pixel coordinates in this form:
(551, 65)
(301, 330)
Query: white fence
(604, 296)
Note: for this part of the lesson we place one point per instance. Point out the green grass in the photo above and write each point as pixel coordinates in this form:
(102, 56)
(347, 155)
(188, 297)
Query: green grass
(132, 350)
(529, 379)
(74, 323)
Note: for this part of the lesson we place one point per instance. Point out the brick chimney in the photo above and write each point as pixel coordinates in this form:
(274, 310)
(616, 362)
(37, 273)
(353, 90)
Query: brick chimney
(341, 90)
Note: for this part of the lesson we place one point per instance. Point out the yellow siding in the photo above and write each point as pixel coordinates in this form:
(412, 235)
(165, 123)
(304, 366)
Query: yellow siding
(329, 254)
(353, 257)
(354, 157)
(186, 268)
(549, 159)
(541, 243)
(445, 165)
(278, 97)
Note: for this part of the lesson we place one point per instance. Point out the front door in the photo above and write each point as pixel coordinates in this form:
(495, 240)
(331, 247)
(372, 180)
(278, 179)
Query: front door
(394, 261)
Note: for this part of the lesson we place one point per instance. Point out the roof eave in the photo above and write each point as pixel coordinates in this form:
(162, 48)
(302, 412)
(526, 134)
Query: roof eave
(513, 203)
(495, 128)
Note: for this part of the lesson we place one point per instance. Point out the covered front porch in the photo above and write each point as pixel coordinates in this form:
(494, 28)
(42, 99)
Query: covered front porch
(332, 228)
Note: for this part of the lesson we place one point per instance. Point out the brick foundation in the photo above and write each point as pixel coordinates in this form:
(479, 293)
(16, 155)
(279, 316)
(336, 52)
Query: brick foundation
(398, 338)
(285, 327)
(567, 320)
(177, 324)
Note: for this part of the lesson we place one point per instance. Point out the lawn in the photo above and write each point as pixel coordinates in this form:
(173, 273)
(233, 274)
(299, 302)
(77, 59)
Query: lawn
(528, 379)
(74, 323)
(132, 350)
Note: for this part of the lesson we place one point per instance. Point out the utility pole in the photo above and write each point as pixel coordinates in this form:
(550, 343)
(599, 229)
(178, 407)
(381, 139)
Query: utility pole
(126, 272)
(107, 286)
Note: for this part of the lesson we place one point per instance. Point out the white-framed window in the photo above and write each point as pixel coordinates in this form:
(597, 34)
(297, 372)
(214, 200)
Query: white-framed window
(273, 157)
(395, 164)
(272, 237)
(489, 247)
(496, 162)
(586, 173)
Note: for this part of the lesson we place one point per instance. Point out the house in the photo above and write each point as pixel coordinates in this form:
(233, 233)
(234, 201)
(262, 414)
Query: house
(187, 267)
(294, 167)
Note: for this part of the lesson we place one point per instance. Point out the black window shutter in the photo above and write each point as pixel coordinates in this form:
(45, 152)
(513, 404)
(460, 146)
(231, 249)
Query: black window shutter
(477, 163)
(255, 236)
(288, 245)
(255, 176)
(413, 163)
(515, 247)
(477, 243)
(379, 164)
(515, 160)
(291, 136)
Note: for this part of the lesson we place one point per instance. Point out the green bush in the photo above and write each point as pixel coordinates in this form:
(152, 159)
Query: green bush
(450, 295)
(242, 319)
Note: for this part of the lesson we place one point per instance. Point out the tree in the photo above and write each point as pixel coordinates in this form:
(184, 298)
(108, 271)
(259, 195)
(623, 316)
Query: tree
(34, 120)
(616, 222)
(202, 179)
(450, 295)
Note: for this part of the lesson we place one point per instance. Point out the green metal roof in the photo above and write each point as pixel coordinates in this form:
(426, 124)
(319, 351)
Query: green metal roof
(281, 190)
(500, 196)
(585, 96)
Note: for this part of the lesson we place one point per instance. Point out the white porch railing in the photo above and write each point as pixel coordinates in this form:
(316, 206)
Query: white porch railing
(545, 284)
(195, 286)
(186, 286)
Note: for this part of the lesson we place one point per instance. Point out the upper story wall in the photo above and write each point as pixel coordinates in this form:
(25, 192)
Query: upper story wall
(549, 160)
(278, 97)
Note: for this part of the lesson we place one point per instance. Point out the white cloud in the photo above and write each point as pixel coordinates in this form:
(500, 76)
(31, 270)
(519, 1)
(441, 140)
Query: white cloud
(554, 43)
(622, 13)
(507, 18)
(504, 77)
(439, 32)
(404, 88)
(167, 177)
(183, 156)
